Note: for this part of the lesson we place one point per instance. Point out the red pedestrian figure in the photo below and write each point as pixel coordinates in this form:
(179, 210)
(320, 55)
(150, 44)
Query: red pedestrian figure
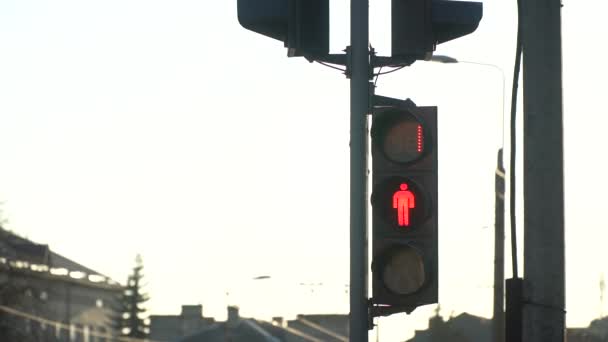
(403, 201)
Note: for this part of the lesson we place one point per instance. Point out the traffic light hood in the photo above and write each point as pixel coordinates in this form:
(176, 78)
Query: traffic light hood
(302, 25)
(454, 19)
(419, 25)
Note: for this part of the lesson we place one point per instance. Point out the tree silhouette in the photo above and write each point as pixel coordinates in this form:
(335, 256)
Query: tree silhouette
(130, 314)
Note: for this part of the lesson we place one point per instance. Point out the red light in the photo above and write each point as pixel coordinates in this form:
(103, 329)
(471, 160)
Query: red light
(419, 138)
(403, 201)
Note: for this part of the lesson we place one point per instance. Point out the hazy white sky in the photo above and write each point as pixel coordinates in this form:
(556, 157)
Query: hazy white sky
(166, 129)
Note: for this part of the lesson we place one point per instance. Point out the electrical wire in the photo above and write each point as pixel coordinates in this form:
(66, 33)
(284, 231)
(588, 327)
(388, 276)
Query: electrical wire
(377, 75)
(388, 72)
(516, 69)
(330, 66)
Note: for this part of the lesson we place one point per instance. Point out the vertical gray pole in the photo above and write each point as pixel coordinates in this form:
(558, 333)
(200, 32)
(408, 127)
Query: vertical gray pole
(544, 297)
(498, 319)
(359, 107)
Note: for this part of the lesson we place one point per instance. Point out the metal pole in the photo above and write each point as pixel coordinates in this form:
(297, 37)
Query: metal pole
(359, 106)
(544, 297)
(498, 319)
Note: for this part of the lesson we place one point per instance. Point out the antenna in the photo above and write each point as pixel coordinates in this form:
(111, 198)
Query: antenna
(602, 289)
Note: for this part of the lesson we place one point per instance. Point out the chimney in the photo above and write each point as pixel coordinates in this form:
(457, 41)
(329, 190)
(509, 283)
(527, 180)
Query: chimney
(192, 311)
(279, 321)
(233, 315)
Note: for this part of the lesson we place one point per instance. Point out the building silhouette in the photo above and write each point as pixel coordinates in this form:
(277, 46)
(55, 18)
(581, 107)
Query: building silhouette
(175, 327)
(191, 326)
(462, 328)
(45, 296)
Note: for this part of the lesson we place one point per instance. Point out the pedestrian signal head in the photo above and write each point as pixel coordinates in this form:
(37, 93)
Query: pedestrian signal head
(302, 25)
(417, 26)
(404, 202)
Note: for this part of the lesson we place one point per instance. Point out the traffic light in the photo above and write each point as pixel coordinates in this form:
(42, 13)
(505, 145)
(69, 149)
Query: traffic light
(404, 203)
(419, 25)
(302, 25)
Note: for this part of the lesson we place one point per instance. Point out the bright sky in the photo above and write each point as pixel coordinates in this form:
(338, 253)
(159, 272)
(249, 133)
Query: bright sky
(166, 129)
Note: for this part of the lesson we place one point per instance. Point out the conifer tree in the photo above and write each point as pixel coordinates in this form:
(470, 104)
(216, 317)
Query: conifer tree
(130, 314)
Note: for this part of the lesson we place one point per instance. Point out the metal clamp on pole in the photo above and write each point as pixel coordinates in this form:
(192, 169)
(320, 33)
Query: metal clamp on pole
(380, 102)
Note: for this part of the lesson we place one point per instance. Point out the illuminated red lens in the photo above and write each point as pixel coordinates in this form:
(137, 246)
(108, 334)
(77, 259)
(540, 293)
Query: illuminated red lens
(403, 201)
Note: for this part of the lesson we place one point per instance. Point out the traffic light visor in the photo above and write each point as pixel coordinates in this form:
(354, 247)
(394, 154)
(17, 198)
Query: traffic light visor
(267, 17)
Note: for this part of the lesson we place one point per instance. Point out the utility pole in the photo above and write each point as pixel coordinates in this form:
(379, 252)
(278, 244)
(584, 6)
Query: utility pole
(418, 26)
(544, 297)
(359, 68)
(498, 319)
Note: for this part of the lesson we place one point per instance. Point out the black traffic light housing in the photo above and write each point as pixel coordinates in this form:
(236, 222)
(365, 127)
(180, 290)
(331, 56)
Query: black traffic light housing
(302, 25)
(419, 25)
(404, 203)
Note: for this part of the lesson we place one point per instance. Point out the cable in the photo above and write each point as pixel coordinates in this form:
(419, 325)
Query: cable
(330, 66)
(377, 75)
(388, 72)
(518, 53)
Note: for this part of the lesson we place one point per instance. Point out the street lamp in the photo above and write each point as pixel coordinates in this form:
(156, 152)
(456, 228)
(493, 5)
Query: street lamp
(262, 277)
(451, 60)
(498, 319)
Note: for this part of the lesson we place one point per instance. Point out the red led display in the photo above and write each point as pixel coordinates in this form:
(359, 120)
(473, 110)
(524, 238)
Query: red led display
(419, 138)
